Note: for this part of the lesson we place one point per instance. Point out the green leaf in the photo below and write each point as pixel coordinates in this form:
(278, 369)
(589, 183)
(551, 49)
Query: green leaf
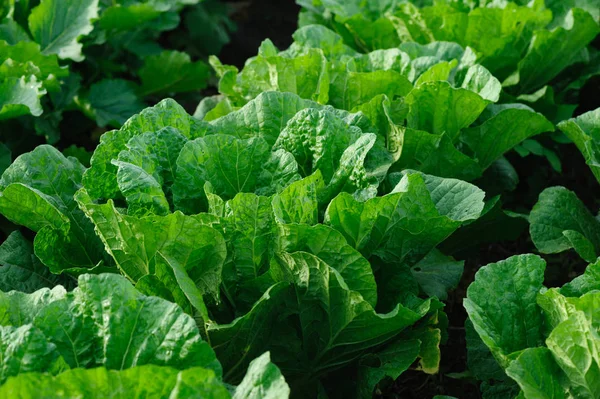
(25, 349)
(390, 362)
(262, 381)
(139, 382)
(37, 192)
(501, 303)
(19, 308)
(551, 51)
(57, 26)
(336, 323)
(490, 140)
(113, 101)
(588, 281)
(172, 72)
(330, 246)
(584, 131)
(20, 96)
(408, 223)
(232, 166)
(559, 221)
(21, 270)
(352, 89)
(439, 108)
(147, 171)
(437, 274)
(106, 322)
(537, 374)
(299, 202)
(181, 251)
(574, 344)
(435, 155)
(101, 178)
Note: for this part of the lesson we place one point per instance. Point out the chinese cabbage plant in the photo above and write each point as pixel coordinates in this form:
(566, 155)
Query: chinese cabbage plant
(277, 226)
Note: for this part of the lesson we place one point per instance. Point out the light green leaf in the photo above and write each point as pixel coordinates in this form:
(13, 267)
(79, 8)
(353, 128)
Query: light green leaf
(537, 374)
(551, 51)
(20, 96)
(181, 251)
(490, 140)
(37, 192)
(136, 383)
(25, 349)
(439, 108)
(559, 221)
(299, 202)
(262, 381)
(330, 246)
(57, 26)
(101, 178)
(232, 166)
(584, 131)
(501, 303)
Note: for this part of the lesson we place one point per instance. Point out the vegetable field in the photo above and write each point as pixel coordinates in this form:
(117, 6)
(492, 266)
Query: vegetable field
(311, 199)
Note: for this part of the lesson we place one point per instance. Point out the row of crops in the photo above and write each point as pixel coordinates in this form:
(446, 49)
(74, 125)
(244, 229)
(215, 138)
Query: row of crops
(316, 224)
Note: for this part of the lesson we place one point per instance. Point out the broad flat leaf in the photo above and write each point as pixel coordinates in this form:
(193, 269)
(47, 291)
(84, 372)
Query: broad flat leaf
(147, 170)
(232, 166)
(136, 383)
(19, 308)
(437, 274)
(113, 101)
(101, 178)
(330, 246)
(559, 221)
(500, 35)
(263, 380)
(300, 201)
(501, 304)
(57, 26)
(390, 362)
(106, 322)
(551, 51)
(584, 131)
(336, 324)
(305, 74)
(25, 58)
(588, 281)
(21, 270)
(537, 374)
(20, 96)
(408, 223)
(352, 89)
(12, 33)
(249, 229)
(181, 251)
(37, 192)
(437, 108)
(172, 72)
(250, 335)
(265, 116)
(574, 344)
(25, 349)
(435, 155)
(490, 140)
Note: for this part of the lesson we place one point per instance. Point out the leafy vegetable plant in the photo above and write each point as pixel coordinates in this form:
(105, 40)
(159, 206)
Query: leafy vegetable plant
(97, 57)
